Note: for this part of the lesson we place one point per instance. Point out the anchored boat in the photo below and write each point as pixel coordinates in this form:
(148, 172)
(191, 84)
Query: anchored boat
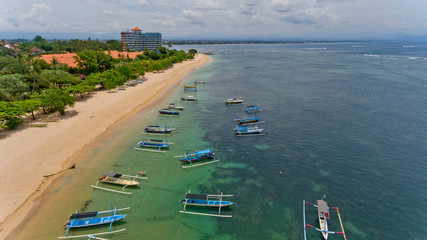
(253, 108)
(174, 106)
(152, 129)
(230, 101)
(117, 179)
(323, 216)
(89, 219)
(190, 86)
(167, 111)
(248, 131)
(189, 99)
(248, 119)
(204, 155)
(206, 200)
(190, 89)
(153, 143)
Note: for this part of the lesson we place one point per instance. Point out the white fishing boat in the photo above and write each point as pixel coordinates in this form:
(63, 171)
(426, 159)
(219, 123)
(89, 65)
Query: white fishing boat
(230, 101)
(117, 179)
(323, 215)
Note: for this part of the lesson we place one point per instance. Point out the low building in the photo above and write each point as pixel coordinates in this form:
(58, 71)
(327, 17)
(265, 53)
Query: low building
(136, 40)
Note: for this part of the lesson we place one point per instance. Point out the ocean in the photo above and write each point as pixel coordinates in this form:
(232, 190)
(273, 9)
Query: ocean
(345, 121)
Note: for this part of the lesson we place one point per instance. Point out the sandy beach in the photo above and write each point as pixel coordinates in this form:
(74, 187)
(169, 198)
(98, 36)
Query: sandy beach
(31, 155)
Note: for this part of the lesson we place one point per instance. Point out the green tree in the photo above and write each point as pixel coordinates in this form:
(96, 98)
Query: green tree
(54, 62)
(192, 51)
(12, 84)
(32, 105)
(38, 39)
(59, 78)
(89, 61)
(9, 65)
(111, 79)
(80, 89)
(10, 114)
(56, 99)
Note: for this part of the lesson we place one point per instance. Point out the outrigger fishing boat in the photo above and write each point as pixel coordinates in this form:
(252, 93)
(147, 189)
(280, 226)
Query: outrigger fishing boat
(189, 99)
(248, 119)
(253, 108)
(152, 129)
(89, 219)
(190, 89)
(167, 111)
(177, 107)
(206, 200)
(117, 179)
(190, 86)
(248, 131)
(153, 143)
(199, 82)
(230, 101)
(323, 216)
(197, 156)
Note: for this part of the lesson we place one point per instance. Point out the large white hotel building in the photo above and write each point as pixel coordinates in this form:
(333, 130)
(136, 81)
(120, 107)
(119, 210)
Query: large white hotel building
(136, 40)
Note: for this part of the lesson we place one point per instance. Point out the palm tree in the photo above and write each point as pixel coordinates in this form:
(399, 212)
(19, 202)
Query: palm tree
(54, 62)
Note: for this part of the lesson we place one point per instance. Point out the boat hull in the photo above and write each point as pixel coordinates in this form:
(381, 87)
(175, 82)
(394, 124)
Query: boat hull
(206, 203)
(195, 159)
(81, 223)
(118, 181)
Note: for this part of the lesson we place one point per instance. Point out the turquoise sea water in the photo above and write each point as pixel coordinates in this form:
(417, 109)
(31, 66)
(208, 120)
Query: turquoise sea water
(345, 120)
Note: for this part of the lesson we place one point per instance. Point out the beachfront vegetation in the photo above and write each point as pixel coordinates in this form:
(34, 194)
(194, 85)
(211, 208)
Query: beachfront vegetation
(29, 84)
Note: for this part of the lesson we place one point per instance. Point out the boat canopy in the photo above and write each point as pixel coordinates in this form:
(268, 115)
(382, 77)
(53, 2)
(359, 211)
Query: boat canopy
(153, 126)
(196, 196)
(112, 174)
(207, 151)
(84, 215)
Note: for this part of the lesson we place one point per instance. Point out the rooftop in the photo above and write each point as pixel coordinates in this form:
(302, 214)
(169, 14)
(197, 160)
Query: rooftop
(68, 58)
(136, 29)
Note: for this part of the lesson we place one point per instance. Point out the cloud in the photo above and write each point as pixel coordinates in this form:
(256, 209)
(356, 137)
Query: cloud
(32, 19)
(303, 12)
(143, 2)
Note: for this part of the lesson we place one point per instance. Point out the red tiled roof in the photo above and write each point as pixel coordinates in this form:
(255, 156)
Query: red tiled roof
(136, 29)
(35, 49)
(68, 58)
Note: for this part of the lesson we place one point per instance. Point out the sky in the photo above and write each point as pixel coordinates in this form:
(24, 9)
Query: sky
(214, 19)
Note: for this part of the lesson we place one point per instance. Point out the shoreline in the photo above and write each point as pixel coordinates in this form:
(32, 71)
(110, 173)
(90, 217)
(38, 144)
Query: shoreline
(53, 149)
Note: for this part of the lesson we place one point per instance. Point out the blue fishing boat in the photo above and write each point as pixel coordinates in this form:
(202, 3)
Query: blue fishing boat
(248, 119)
(153, 129)
(198, 156)
(90, 219)
(253, 108)
(190, 89)
(248, 131)
(153, 143)
(206, 200)
(167, 111)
